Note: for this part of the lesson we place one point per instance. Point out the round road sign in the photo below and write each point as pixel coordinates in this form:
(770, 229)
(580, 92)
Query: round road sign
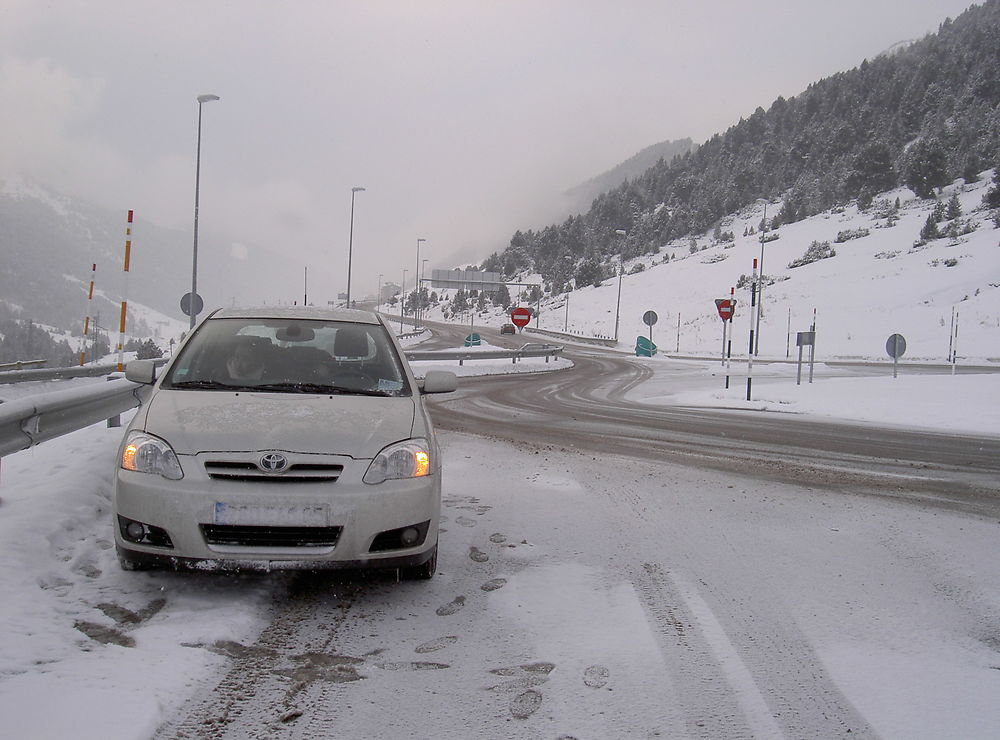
(895, 346)
(649, 318)
(186, 304)
(520, 317)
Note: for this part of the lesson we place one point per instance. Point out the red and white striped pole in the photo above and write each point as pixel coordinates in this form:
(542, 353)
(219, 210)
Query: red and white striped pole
(121, 323)
(729, 344)
(86, 321)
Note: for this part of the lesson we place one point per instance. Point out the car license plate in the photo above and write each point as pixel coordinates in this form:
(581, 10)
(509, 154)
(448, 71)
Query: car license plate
(291, 515)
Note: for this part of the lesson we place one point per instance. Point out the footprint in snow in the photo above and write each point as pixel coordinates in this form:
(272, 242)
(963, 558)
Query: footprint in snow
(497, 538)
(451, 608)
(104, 635)
(438, 644)
(596, 676)
(417, 665)
(494, 584)
(465, 521)
(525, 704)
(478, 555)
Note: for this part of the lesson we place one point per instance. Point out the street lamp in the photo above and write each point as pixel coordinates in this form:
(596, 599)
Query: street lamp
(416, 278)
(621, 269)
(193, 305)
(378, 296)
(421, 289)
(350, 244)
(760, 285)
(402, 300)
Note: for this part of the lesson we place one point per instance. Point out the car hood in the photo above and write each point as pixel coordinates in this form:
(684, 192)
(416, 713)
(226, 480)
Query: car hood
(207, 421)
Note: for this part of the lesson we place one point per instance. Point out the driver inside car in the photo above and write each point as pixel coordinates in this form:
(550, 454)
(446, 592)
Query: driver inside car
(245, 364)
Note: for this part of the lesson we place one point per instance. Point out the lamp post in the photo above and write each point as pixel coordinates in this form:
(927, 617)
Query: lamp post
(416, 279)
(621, 269)
(378, 296)
(420, 289)
(193, 306)
(760, 285)
(350, 243)
(402, 301)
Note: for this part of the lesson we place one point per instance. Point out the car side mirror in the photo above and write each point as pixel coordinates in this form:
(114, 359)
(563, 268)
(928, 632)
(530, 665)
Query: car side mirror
(141, 371)
(440, 381)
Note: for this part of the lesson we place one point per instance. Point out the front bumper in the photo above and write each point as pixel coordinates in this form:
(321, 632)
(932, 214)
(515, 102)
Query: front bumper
(182, 511)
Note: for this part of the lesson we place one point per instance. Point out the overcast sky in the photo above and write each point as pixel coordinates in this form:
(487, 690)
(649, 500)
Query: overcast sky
(464, 120)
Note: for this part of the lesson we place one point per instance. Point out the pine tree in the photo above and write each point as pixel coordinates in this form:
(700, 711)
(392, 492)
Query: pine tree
(930, 230)
(926, 168)
(992, 197)
(954, 209)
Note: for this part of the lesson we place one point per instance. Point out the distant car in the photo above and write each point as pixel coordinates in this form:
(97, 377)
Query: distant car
(281, 438)
(508, 329)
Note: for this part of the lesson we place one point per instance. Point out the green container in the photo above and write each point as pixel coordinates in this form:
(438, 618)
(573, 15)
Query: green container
(644, 347)
(473, 340)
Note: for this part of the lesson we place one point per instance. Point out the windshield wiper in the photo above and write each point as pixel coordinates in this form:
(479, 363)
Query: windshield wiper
(212, 385)
(298, 388)
(318, 388)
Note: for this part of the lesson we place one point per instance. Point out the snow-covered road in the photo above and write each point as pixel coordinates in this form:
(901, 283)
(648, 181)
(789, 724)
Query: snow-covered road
(579, 595)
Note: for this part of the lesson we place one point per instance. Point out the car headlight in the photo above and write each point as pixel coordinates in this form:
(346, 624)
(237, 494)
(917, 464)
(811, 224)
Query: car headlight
(409, 459)
(145, 453)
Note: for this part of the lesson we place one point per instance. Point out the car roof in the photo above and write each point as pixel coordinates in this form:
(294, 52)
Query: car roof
(297, 312)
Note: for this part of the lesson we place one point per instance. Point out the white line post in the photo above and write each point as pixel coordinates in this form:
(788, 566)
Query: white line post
(753, 305)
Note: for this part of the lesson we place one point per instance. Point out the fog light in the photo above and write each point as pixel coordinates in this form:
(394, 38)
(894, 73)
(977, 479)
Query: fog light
(135, 531)
(409, 536)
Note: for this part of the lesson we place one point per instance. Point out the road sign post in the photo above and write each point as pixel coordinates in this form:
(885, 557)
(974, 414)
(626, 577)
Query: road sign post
(895, 346)
(649, 318)
(803, 339)
(726, 308)
(520, 317)
(186, 304)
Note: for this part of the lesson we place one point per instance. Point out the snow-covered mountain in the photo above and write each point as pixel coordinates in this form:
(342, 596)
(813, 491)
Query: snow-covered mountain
(50, 241)
(879, 278)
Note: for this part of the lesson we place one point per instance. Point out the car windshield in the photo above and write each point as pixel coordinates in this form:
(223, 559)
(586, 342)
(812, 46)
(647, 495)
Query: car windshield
(289, 356)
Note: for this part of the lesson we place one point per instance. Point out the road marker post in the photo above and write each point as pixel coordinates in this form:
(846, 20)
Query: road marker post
(753, 304)
(121, 322)
(86, 322)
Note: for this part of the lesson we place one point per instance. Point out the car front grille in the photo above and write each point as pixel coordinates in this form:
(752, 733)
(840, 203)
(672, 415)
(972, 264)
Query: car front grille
(296, 473)
(266, 536)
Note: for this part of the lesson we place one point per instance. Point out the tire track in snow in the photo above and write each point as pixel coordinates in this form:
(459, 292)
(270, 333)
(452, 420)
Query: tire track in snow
(762, 678)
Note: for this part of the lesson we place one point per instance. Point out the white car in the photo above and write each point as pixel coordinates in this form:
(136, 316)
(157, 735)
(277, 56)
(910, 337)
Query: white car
(282, 438)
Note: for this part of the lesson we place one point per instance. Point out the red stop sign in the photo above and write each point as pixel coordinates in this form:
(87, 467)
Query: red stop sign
(725, 307)
(520, 317)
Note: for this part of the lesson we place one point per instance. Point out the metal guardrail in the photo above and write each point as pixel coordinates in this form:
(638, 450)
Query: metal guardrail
(461, 356)
(25, 422)
(21, 364)
(603, 341)
(62, 373)
(56, 373)
(28, 421)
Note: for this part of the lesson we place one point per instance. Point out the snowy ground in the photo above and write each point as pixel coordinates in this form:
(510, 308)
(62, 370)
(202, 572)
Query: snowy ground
(959, 403)
(900, 604)
(121, 650)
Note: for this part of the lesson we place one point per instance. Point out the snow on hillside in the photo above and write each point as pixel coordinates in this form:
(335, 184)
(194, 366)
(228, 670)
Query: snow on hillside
(876, 285)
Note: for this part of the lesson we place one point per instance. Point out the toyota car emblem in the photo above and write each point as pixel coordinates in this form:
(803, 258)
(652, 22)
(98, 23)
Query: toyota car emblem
(273, 462)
